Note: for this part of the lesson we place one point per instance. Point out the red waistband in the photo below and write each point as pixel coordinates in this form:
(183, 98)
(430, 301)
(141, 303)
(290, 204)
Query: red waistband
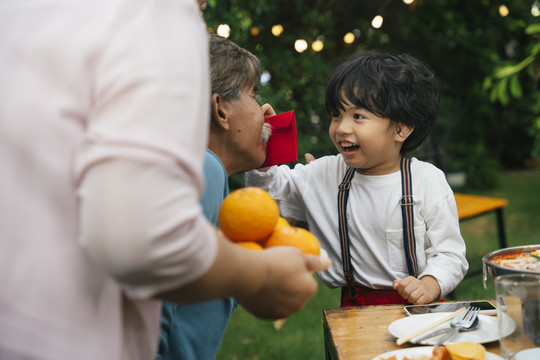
(366, 296)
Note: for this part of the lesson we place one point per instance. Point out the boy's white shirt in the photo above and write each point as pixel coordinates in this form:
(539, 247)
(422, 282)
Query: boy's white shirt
(309, 193)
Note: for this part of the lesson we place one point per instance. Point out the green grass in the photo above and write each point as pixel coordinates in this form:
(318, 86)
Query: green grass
(522, 222)
(301, 337)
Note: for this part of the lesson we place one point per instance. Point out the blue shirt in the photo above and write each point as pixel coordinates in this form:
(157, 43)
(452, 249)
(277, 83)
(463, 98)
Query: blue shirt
(195, 331)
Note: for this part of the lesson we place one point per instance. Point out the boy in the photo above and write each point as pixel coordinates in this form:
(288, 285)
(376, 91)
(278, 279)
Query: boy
(382, 106)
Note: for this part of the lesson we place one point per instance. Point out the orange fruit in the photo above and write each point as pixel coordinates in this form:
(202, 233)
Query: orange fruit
(281, 223)
(296, 237)
(248, 214)
(251, 245)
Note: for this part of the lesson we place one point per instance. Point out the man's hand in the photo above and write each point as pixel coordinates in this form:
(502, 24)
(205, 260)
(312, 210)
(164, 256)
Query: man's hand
(271, 284)
(418, 291)
(288, 285)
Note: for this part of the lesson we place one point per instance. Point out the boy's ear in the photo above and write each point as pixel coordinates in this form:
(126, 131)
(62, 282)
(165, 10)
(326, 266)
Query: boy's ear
(219, 112)
(403, 131)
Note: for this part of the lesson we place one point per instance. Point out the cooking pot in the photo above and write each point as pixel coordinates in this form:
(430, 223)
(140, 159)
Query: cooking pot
(494, 270)
(529, 294)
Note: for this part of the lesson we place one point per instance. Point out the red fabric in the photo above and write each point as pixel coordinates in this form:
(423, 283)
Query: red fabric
(366, 296)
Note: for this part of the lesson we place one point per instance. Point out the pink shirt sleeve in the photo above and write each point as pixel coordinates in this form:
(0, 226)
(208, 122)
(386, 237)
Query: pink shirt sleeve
(103, 126)
(140, 168)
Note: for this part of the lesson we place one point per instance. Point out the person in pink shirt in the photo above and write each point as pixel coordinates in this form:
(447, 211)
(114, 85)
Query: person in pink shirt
(102, 139)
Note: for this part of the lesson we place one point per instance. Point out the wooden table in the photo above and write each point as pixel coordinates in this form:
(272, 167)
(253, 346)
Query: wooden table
(361, 333)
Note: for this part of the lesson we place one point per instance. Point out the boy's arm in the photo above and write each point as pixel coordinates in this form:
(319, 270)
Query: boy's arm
(446, 259)
(444, 246)
(277, 180)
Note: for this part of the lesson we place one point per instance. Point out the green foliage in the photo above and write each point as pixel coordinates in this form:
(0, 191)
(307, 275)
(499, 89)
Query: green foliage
(507, 76)
(464, 41)
(535, 132)
(482, 171)
(506, 82)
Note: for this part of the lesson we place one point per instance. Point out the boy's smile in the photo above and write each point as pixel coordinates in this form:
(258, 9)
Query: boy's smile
(348, 148)
(367, 142)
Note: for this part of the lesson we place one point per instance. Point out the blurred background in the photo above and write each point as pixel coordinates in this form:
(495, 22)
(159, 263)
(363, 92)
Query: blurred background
(486, 56)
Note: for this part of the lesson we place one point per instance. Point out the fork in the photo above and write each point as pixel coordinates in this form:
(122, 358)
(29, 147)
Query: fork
(465, 322)
(440, 331)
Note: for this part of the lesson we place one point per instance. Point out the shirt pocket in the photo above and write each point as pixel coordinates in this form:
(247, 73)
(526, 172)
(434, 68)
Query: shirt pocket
(396, 252)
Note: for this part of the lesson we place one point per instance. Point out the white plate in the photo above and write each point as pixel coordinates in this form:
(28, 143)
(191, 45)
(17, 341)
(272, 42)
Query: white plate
(422, 350)
(529, 354)
(487, 331)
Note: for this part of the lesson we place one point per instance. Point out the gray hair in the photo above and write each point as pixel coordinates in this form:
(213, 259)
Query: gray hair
(232, 68)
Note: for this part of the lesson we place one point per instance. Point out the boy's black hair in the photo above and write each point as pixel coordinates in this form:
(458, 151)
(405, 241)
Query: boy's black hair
(400, 88)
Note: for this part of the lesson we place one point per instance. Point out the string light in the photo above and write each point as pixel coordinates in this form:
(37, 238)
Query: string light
(265, 77)
(277, 30)
(377, 21)
(348, 38)
(254, 31)
(223, 30)
(503, 11)
(535, 9)
(317, 45)
(300, 45)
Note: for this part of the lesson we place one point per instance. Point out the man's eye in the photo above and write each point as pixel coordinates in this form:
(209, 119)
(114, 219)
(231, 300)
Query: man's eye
(358, 116)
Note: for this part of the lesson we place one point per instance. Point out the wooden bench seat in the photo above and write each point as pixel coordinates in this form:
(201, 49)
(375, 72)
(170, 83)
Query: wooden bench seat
(471, 205)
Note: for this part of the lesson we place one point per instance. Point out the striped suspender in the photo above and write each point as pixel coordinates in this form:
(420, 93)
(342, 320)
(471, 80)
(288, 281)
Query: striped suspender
(407, 203)
(343, 196)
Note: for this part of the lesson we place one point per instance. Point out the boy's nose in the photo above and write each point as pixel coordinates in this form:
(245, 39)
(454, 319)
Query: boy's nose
(344, 128)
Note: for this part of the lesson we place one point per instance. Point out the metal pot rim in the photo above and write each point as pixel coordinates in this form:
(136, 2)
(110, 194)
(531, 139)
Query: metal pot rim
(486, 259)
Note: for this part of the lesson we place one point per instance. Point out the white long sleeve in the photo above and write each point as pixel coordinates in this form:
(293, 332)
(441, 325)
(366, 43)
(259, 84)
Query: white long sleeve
(309, 192)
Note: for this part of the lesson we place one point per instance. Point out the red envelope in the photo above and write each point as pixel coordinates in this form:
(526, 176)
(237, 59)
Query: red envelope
(283, 144)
